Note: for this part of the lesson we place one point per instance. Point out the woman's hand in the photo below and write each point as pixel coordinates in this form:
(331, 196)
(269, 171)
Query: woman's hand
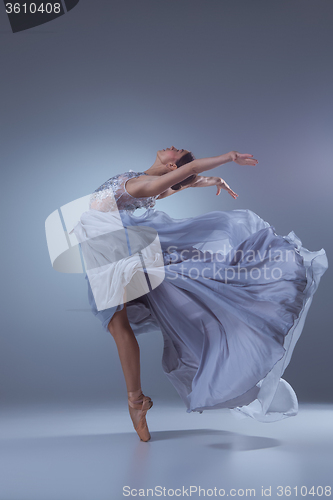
(221, 184)
(242, 159)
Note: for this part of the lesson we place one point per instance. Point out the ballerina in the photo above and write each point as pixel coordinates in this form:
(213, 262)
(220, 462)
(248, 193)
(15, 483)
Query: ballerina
(227, 338)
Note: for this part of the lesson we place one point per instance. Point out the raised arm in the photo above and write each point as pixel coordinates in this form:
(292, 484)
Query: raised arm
(203, 164)
(152, 187)
(194, 167)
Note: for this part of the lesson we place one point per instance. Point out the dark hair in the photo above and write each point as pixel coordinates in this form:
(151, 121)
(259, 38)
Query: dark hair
(187, 158)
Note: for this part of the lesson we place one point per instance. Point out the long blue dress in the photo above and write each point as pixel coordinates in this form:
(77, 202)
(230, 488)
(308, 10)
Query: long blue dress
(231, 305)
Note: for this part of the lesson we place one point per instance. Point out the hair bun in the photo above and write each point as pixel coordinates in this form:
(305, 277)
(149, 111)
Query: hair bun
(187, 158)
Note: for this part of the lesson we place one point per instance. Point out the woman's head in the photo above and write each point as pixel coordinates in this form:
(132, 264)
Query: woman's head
(174, 158)
(170, 156)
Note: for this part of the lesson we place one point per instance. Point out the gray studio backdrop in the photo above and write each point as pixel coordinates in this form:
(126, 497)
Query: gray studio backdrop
(99, 91)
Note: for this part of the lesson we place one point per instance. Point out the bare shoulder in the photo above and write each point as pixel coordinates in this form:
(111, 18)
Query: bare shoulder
(136, 185)
(153, 185)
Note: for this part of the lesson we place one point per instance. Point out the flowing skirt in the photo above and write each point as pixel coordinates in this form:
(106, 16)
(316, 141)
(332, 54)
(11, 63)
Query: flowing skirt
(228, 294)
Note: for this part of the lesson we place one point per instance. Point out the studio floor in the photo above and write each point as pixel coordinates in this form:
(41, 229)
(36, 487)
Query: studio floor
(93, 453)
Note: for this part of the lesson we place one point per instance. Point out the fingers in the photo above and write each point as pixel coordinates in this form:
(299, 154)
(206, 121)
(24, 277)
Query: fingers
(227, 188)
(230, 191)
(233, 194)
(246, 159)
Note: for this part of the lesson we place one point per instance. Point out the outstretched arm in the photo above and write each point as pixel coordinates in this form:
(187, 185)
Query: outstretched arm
(147, 187)
(202, 181)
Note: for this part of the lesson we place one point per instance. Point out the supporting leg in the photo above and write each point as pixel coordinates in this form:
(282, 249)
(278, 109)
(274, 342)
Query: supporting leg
(129, 355)
(128, 349)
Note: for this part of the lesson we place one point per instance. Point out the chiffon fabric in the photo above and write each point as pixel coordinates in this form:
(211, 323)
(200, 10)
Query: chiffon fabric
(231, 305)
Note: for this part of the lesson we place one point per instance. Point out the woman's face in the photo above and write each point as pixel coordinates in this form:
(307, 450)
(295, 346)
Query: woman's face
(171, 155)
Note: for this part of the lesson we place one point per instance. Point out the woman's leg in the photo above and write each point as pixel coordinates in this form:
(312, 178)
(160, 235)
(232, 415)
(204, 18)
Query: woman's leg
(129, 355)
(128, 349)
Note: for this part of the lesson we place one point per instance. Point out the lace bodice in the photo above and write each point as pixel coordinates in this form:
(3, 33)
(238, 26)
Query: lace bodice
(112, 195)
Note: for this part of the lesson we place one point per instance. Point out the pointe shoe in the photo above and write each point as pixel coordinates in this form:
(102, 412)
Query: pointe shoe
(138, 405)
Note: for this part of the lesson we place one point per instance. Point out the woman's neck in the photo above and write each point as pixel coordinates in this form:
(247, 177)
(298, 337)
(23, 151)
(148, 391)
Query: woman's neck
(157, 168)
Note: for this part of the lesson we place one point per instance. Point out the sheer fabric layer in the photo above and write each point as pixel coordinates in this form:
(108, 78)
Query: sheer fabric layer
(228, 336)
